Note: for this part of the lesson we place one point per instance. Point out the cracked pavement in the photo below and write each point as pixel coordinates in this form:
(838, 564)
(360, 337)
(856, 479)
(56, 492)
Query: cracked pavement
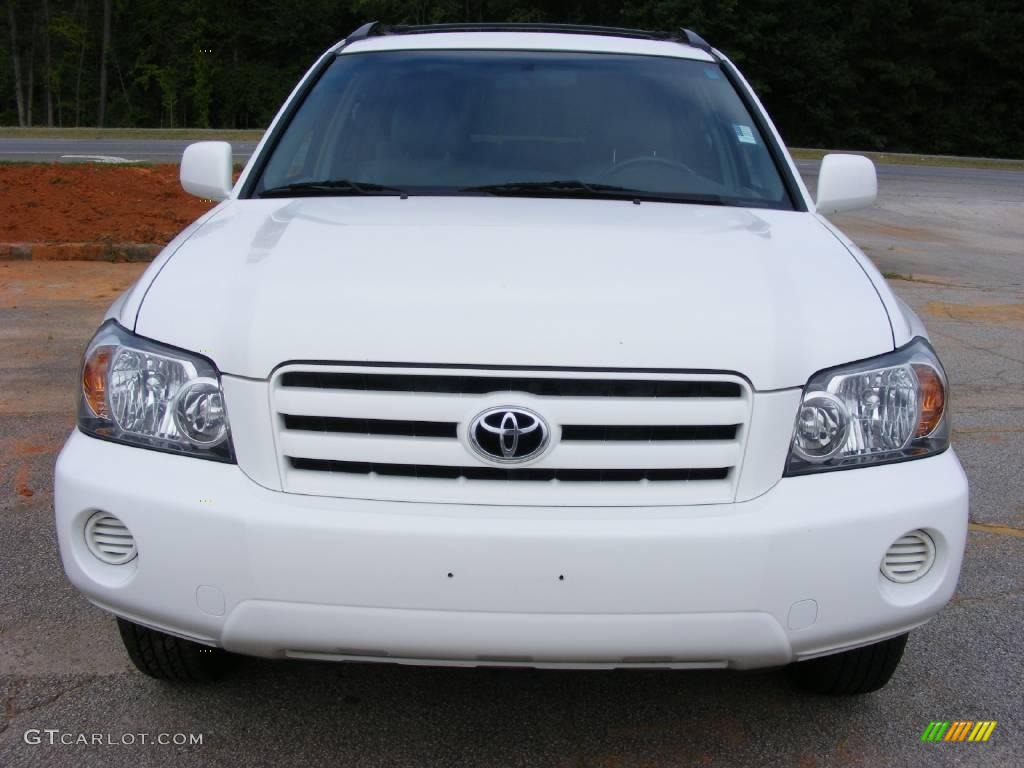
(953, 246)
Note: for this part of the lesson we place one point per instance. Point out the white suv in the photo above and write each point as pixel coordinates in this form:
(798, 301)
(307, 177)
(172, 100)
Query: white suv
(516, 346)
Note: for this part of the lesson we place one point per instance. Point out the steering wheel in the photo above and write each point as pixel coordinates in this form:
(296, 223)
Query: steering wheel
(634, 162)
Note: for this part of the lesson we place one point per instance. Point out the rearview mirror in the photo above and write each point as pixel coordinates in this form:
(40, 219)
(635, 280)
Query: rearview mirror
(846, 183)
(206, 170)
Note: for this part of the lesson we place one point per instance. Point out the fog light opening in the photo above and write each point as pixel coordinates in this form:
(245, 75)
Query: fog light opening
(109, 539)
(909, 558)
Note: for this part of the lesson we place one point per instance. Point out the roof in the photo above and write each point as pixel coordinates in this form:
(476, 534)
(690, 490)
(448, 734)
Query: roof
(544, 37)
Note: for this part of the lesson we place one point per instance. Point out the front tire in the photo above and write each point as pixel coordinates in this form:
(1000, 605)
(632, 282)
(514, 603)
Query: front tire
(167, 657)
(850, 673)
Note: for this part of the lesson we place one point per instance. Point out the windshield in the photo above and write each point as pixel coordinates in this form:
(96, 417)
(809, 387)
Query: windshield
(524, 123)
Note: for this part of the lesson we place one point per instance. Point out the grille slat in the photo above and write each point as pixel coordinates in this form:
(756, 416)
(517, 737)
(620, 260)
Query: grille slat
(647, 433)
(381, 449)
(427, 471)
(371, 426)
(590, 433)
(482, 385)
(452, 407)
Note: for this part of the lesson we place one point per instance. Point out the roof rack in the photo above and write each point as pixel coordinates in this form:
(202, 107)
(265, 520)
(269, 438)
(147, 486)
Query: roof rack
(696, 41)
(376, 29)
(370, 29)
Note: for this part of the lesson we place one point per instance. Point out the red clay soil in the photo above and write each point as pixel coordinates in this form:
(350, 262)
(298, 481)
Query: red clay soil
(62, 203)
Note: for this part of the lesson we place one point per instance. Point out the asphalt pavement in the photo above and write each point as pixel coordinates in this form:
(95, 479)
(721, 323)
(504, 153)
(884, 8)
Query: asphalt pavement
(110, 150)
(169, 151)
(950, 240)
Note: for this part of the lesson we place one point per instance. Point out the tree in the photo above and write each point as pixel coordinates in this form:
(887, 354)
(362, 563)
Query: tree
(12, 26)
(104, 56)
(48, 63)
(82, 45)
(942, 76)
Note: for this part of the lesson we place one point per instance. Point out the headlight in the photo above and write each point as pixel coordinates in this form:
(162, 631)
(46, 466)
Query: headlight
(886, 409)
(140, 392)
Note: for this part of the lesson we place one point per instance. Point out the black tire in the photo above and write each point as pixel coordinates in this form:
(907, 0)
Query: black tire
(862, 670)
(166, 657)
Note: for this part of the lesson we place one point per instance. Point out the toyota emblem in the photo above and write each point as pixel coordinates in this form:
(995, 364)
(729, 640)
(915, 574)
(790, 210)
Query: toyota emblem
(508, 435)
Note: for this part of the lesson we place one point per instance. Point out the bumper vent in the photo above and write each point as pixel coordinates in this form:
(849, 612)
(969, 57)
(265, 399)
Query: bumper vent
(909, 558)
(109, 539)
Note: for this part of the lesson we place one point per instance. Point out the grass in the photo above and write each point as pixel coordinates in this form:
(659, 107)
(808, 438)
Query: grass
(182, 134)
(898, 276)
(942, 161)
(912, 278)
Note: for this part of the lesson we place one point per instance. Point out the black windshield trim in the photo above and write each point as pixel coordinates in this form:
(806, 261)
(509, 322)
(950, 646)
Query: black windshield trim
(255, 178)
(775, 151)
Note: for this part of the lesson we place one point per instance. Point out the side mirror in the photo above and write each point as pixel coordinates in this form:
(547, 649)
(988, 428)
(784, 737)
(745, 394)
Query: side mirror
(846, 183)
(206, 170)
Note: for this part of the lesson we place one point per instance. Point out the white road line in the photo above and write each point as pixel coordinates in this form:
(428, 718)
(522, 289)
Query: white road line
(97, 158)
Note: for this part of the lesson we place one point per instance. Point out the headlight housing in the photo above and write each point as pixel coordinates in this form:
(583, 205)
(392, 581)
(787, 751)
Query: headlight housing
(878, 411)
(142, 393)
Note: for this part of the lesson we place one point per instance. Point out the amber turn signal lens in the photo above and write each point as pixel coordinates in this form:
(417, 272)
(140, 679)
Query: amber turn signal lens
(94, 381)
(933, 399)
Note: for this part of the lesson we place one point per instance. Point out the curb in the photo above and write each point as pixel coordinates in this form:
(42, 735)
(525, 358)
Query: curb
(79, 251)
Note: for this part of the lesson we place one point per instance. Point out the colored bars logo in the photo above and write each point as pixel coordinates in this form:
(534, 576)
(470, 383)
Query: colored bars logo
(958, 730)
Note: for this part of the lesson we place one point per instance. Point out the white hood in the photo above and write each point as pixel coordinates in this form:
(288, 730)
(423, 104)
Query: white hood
(771, 295)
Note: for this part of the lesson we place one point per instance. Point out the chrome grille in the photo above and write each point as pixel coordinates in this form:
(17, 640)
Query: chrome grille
(618, 439)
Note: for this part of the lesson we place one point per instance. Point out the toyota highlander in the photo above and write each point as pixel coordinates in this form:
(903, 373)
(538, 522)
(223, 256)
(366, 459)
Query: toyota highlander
(516, 345)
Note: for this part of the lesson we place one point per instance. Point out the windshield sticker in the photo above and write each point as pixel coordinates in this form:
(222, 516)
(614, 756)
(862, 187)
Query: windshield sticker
(712, 74)
(745, 134)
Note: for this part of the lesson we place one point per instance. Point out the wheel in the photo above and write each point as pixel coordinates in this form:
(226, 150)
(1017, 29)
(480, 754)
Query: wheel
(849, 673)
(166, 657)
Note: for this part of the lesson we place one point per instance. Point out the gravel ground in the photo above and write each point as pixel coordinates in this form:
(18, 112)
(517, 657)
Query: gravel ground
(952, 246)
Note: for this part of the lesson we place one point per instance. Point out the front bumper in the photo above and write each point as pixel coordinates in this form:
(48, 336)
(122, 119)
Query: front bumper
(791, 574)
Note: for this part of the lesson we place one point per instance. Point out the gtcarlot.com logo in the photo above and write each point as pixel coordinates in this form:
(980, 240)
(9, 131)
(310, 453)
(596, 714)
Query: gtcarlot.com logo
(958, 730)
(56, 737)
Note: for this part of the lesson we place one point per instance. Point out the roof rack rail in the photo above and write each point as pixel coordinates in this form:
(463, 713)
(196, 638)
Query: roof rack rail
(683, 35)
(568, 29)
(369, 29)
(696, 41)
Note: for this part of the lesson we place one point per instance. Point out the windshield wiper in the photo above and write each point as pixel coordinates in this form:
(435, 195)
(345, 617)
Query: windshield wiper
(576, 188)
(329, 187)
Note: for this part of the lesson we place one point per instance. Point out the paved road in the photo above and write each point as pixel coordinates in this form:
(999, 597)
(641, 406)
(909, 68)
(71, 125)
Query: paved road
(169, 151)
(135, 150)
(953, 250)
